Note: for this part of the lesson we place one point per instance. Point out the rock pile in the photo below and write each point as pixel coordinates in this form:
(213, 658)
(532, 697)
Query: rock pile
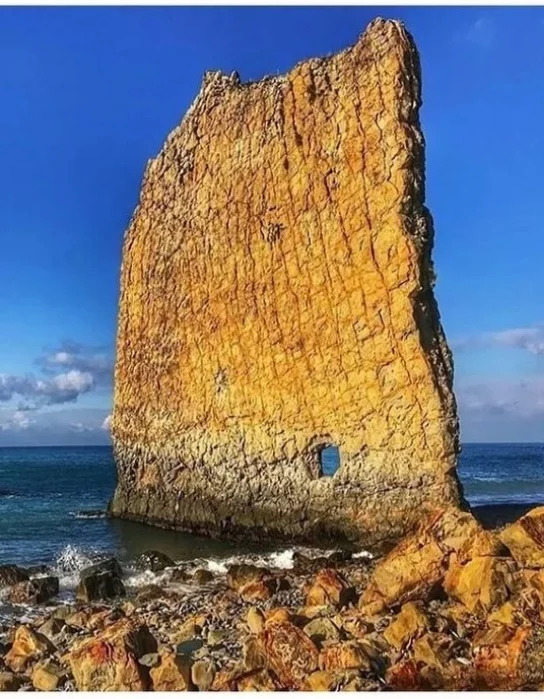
(451, 607)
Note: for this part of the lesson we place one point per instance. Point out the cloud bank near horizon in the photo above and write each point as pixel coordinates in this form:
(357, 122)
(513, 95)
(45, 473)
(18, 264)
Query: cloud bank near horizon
(34, 407)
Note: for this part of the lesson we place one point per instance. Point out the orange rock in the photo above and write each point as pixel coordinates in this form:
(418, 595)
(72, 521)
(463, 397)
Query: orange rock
(276, 295)
(261, 681)
(329, 588)
(481, 584)
(258, 590)
(344, 655)
(172, 674)
(289, 653)
(415, 568)
(407, 625)
(497, 657)
(322, 681)
(109, 661)
(277, 614)
(525, 539)
(28, 646)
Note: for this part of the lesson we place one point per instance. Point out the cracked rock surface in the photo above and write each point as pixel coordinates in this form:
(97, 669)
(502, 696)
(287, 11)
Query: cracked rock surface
(276, 298)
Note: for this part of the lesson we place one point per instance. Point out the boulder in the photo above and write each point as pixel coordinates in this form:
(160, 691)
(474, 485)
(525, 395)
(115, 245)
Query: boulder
(414, 569)
(261, 681)
(497, 657)
(323, 681)
(202, 576)
(344, 655)
(108, 565)
(254, 657)
(149, 592)
(255, 620)
(47, 677)
(258, 590)
(525, 539)
(410, 623)
(34, 591)
(52, 628)
(481, 584)
(9, 682)
(203, 674)
(172, 674)
(241, 574)
(11, 575)
(329, 588)
(109, 660)
(28, 646)
(289, 653)
(99, 584)
(155, 561)
(321, 629)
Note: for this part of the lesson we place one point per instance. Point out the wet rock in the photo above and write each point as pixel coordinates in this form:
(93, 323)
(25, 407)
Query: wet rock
(240, 575)
(203, 674)
(481, 584)
(289, 653)
(202, 576)
(9, 682)
(329, 588)
(258, 590)
(155, 561)
(11, 575)
(525, 539)
(38, 569)
(35, 591)
(255, 620)
(344, 656)
(172, 674)
(147, 593)
(179, 575)
(109, 661)
(407, 625)
(321, 629)
(108, 565)
(28, 646)
(102, 581)
(47, 677)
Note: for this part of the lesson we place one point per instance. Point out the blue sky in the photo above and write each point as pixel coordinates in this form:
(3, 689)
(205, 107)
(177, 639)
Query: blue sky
(88, 96)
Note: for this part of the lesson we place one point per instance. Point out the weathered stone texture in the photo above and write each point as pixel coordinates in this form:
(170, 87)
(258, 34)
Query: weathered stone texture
(276, 298)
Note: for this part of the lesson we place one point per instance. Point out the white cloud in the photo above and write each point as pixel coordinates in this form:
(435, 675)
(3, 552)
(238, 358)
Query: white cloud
(530, 339)
(106, 425)
(482, 32)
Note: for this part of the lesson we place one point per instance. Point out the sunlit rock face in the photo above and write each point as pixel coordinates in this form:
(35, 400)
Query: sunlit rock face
(276, 298)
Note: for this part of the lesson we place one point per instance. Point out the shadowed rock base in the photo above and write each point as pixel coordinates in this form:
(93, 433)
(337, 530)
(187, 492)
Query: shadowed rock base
(276, 299)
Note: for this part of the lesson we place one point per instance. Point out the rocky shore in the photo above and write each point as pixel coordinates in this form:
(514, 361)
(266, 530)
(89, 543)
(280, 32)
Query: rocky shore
(453, 606)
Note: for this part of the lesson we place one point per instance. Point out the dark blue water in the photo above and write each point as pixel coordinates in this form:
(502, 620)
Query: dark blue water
(43, 492)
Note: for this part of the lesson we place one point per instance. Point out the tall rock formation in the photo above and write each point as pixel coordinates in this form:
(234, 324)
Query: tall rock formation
(276, 298)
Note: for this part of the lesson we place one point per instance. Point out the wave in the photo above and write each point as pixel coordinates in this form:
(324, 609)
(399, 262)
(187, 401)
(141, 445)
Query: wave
(89, 514)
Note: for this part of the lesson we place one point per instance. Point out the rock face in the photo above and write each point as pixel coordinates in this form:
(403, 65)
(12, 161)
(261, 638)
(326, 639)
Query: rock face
(276, 299)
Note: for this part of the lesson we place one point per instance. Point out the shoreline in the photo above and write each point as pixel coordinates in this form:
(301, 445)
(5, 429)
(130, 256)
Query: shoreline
(434, 613)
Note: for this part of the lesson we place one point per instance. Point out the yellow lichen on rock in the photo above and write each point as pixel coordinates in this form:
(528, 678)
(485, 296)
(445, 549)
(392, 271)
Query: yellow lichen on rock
(276, 298)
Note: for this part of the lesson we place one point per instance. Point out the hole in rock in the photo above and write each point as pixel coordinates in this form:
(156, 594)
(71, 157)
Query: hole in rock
(329, 458)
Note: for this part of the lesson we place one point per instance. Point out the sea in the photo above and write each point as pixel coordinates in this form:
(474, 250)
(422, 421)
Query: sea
(53, 499)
